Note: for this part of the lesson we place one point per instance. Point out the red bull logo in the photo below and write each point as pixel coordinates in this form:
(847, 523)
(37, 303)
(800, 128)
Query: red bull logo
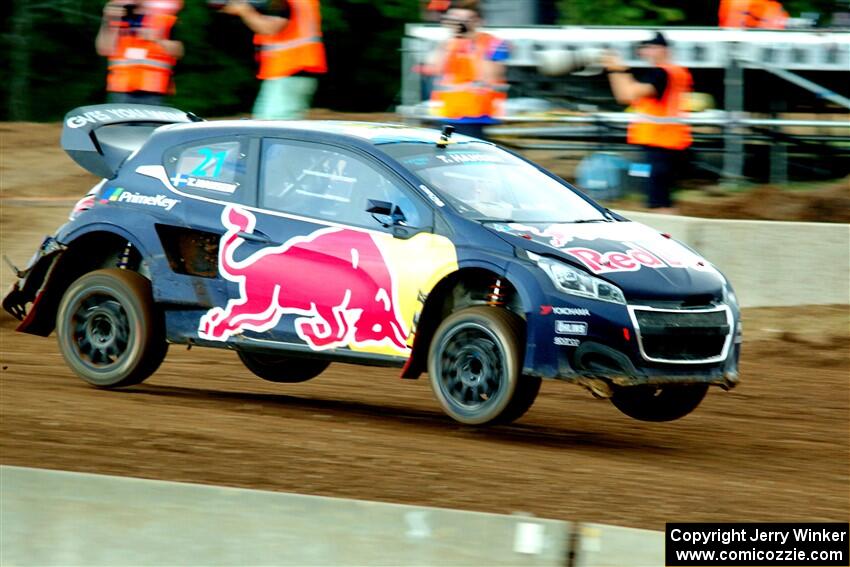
(335, 279)
(646, 248)
(629, 261)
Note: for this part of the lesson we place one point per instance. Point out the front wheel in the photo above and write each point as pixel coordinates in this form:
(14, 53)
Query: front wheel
(475, 366)
(666, 402)
(109, 330)
(282, 369)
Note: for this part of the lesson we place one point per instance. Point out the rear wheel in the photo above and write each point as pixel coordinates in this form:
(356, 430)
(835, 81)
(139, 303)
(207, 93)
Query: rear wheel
(283, 369)
(475, 365)
(108, 329)
(666, 402)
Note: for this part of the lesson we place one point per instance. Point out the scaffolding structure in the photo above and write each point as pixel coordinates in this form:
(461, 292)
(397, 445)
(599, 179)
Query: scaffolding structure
(813, 68)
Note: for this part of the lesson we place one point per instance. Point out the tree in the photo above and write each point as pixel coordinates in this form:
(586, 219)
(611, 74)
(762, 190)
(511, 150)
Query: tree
(672, 12)
(52, 65)
(619, 13)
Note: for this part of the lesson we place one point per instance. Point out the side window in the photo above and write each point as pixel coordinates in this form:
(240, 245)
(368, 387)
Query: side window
(329, 184)
(212, 168)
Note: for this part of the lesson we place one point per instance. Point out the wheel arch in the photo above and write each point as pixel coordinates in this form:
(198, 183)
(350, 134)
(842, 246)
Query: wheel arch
(85, 251)
(465, 287)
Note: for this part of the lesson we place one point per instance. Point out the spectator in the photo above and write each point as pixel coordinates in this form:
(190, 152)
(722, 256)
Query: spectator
(433, 9)
(470, 89)
(288, 38)
(764, 14)
(135, 35)
(657, 94)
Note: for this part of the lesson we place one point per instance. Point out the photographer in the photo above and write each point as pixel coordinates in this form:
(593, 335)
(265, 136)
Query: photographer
(657, 96)
(135, 35)
(288, 37)
(470, 88)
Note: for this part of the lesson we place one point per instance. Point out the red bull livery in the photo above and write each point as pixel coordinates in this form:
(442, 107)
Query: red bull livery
(302, 244)
(335, 278)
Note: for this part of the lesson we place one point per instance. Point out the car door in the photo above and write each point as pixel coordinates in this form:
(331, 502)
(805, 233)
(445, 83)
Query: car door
(336, 273)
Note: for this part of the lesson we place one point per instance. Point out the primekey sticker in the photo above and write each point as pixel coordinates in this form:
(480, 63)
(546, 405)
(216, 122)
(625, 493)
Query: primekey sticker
(121, 195)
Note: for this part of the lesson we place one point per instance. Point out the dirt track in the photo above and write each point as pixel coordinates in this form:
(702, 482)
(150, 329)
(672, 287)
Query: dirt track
(777, 448)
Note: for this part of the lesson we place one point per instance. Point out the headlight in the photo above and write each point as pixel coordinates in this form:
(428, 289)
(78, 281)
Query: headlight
(577, 282)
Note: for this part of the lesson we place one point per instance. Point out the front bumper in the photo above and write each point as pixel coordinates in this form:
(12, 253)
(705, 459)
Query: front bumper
(29, 287)
(593, 342)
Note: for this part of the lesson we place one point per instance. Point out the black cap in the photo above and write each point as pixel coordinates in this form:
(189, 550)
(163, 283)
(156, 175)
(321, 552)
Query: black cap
(658, 39)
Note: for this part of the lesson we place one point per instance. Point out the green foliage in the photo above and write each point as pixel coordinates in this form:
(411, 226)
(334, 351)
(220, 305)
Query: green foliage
(217, 75)
(670, 12)
(363, 39)
(619, 13)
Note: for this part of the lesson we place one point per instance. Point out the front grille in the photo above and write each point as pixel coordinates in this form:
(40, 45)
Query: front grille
(682, 336)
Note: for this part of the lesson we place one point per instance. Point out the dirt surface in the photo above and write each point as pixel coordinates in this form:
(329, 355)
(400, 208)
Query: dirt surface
(822, 202)
(775, 449)
(811, 202)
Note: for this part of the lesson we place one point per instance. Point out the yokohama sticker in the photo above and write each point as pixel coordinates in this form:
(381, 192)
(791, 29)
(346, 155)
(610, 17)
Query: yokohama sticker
(571, 311)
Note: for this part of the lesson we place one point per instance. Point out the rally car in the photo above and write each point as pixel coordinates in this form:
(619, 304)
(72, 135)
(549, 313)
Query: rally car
(298, 244)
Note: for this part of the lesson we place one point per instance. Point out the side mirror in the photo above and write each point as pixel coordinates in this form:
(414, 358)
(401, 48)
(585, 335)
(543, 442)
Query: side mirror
(386, 208)
(379, 207)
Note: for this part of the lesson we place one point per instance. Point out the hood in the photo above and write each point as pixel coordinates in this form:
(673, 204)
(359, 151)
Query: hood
(641, 261)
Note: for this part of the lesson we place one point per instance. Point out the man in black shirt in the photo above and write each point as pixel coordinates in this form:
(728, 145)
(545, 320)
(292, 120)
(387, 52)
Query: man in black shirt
(657, 95)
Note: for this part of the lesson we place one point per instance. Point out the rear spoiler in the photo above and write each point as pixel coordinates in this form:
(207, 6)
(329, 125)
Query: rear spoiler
(100, 137)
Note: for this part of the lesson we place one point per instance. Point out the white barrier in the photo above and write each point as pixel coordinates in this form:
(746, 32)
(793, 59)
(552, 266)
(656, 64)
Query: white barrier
(600, 545)
(63, 518)
(769, 263)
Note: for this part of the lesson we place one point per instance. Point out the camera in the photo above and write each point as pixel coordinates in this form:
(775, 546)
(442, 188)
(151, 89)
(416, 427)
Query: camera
(219, 4)
(459, 28)
(555, 62)
(131, 18)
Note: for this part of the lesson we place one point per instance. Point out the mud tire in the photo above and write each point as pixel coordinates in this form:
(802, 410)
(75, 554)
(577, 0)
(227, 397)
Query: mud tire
(109, 330)
(659, 403)
(282, 369)
(475, 366)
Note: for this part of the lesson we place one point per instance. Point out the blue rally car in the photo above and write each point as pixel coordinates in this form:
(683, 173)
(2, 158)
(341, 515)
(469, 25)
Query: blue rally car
(298, 244)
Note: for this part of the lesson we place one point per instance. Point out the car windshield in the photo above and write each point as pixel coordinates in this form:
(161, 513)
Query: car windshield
(485, 183)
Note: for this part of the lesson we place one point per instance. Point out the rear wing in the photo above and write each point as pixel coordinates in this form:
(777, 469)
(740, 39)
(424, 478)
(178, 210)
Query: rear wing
(100, 137)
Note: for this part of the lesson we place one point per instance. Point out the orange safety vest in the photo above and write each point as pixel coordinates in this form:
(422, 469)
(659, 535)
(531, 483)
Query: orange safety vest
(140, 64)
(674, 136)
(768, 14)
(765, 14)
(297, 47)
(461, 91)
(733, 13)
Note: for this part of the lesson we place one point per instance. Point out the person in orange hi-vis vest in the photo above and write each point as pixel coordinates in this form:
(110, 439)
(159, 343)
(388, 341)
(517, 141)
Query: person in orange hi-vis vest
(135, 36)
(769, 15)
(288, 38)
(470, 88)
(764, 14)
(657, 95)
